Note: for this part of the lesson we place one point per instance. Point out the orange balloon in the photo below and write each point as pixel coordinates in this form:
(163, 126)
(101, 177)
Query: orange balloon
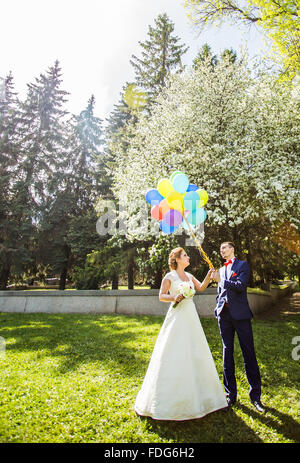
(156, 212)
(164, 206)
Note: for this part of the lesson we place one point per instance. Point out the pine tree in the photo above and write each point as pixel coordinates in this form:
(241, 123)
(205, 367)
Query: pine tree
(229, 54)
(119, 116)
(87, 140)
(11, 223)
(204, 54)
(44, 140)
(161, 55)
(118, 121)
(46, 166)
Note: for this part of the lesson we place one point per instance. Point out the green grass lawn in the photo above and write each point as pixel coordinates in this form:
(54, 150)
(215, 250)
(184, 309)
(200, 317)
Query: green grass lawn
(74, 378)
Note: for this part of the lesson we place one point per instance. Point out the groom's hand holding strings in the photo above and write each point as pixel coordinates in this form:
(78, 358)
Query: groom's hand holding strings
(210, 272)
(215, 276)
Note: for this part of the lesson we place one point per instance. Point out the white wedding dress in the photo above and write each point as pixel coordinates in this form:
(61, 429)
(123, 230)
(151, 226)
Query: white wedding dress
(181, 381)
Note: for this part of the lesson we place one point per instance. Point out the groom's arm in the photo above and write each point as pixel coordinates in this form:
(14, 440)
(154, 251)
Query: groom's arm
(241, 283)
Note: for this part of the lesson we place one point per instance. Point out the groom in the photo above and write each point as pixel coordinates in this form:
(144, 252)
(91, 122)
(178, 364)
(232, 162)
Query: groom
(234, 315)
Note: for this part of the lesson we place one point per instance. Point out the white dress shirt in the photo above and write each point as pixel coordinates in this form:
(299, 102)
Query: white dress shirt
(228, 268)
(223, 274)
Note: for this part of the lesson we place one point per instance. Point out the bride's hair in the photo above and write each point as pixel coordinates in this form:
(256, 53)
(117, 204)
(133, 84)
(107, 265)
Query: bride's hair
(175, 253)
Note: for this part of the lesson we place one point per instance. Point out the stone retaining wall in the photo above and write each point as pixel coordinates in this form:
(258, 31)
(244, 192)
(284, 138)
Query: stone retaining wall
(137, 302)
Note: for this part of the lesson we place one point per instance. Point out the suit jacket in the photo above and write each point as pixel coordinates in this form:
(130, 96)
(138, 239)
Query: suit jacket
(235, 288)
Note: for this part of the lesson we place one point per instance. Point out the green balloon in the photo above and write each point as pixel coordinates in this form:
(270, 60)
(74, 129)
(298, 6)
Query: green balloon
(174, 174)
(197, 216)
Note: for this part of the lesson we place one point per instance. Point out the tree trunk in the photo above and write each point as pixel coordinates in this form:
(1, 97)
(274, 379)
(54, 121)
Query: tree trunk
(130, 275)
(157, 280)
(4, 276)
(182, 240)
(130, 269)
(115, 281)
(249, 260)
(4, 270)
(63, 277)
(64, 271)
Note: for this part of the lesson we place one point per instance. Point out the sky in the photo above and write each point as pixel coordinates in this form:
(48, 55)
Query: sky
(94, 40)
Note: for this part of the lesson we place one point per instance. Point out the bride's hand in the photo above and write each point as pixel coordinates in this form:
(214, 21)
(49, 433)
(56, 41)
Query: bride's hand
(179, 298)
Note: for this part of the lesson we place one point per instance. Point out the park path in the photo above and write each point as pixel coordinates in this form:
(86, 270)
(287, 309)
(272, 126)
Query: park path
(288, 306)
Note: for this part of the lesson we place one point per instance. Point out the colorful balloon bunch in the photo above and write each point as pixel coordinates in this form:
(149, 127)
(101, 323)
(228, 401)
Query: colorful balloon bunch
(177, 202)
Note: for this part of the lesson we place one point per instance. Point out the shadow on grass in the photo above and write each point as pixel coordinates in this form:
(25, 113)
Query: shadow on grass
(280, 422)
(126, 342)
(77, 339)
(220, 426)
(273, 345)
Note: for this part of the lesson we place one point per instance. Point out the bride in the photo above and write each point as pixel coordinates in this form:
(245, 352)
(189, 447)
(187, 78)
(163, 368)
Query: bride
(181, 381)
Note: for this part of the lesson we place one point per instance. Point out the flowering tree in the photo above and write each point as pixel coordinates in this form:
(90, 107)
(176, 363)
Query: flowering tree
(279, 20)
(233, 134)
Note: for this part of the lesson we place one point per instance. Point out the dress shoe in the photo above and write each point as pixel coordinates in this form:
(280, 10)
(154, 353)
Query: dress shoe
(231, 402)
(259, 406)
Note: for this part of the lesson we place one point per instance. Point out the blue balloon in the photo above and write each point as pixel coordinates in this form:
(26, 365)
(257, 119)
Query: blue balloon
(192, 187)
(166, 228)
(191, 200)
(180, 183)
(153, 197)
(196, 217)
(185, 226)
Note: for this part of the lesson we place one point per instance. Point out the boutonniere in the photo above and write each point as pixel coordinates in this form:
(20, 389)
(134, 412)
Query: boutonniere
(234, 274)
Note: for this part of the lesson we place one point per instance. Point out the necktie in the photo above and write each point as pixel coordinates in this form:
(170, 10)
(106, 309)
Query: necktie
(228, 262)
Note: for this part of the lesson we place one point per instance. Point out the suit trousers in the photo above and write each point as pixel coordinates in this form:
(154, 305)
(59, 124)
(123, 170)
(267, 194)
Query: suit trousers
(228, 326)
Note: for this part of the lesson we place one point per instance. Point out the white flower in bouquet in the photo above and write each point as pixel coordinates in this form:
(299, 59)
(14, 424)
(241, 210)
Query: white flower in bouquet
(186, 289)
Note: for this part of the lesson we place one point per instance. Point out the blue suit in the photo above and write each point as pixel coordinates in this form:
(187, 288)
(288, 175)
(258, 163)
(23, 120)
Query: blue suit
(233, 317)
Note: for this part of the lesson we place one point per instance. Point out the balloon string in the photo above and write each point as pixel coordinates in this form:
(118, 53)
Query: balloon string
(201, 250)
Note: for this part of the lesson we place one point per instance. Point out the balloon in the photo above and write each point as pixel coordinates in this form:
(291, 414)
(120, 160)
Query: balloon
(153, 196)
(174, 200)
(164, 206)
(177, 202)
(164, 187)
(196, 217)
(173, 218)
(156, 212)
(185, 226)
(192, 187)
(180, 183)
(166, 228)
(174, 174)
(191, 200)
(203, 197)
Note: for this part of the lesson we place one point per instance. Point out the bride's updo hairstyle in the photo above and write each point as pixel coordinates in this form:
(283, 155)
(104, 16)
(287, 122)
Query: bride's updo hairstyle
(175, 253)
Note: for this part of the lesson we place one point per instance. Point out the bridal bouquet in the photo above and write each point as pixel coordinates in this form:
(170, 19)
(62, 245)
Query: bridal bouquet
(186, 290)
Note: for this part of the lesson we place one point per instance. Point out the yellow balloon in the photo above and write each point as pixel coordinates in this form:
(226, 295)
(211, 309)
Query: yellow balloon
(203, 197)
(175, 200)
(165, 187)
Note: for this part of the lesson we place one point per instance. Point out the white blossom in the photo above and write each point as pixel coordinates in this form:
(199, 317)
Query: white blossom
(234, 135)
